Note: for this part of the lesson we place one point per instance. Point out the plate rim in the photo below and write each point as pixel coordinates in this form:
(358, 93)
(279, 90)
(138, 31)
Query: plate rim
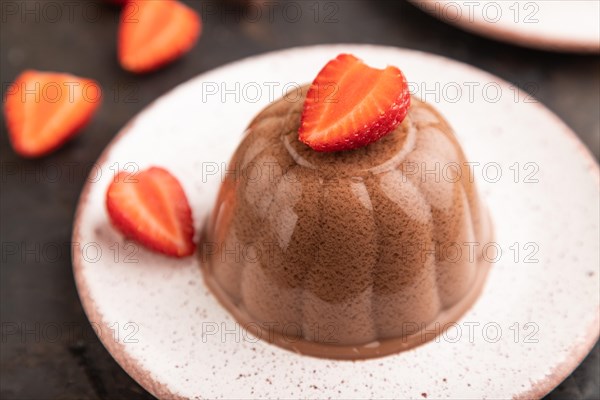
(159, 389)
(510, 36)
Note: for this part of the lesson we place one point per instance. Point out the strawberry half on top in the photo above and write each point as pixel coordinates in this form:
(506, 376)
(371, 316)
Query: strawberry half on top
(350, 105)
(151, 208)
(45, 109)
(153, 33)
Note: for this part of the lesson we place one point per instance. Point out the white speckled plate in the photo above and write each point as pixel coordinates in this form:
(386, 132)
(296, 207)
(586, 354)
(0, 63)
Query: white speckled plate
(536, 320)
(560, 25)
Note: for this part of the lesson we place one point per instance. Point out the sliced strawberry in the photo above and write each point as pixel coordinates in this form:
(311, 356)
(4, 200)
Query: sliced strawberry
(350, 105)
(155, 32)
(45, 109)
(151, 208)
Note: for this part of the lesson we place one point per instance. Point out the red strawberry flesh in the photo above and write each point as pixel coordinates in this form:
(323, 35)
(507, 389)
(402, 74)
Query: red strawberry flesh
(350, 105)
(151, 208)
(153, 33)
(45, 109)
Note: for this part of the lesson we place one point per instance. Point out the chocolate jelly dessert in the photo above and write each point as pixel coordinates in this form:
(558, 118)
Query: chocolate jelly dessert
(349, 254)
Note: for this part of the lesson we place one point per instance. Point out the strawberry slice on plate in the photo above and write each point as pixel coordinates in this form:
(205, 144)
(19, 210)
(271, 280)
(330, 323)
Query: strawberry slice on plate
(153, 33)
(350, 105)
(45, 109)
(151, 208)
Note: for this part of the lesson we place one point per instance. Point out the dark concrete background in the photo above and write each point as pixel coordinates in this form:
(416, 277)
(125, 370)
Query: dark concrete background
(38, 296)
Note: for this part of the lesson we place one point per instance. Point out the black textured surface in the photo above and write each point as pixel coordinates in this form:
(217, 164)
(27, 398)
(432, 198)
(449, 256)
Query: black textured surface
(39, 298)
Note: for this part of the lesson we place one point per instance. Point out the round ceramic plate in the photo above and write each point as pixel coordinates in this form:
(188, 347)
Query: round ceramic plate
(561, 25)
(535, 321)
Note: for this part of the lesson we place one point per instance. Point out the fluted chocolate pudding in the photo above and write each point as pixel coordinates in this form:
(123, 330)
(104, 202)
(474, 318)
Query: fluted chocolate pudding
(346, 254)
